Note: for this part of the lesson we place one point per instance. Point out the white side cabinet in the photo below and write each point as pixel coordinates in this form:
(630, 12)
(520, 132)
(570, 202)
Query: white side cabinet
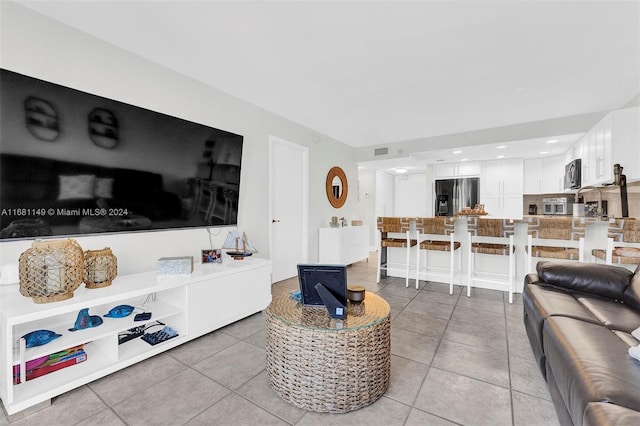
(211, 297)
(343, 246)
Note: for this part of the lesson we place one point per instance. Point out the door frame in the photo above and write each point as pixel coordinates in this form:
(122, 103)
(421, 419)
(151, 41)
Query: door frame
(304, 208)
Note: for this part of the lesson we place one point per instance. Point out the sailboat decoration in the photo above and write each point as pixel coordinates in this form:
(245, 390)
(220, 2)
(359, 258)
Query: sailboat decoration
(238, 247)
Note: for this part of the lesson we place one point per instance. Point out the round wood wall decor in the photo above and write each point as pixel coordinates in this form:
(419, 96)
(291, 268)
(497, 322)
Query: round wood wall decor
(337, 187)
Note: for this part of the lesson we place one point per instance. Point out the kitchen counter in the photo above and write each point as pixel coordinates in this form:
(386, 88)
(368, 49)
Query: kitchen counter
(595, 236)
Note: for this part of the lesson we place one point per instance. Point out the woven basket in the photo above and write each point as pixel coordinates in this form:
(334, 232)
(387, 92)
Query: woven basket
(51, 270)
(100, 268)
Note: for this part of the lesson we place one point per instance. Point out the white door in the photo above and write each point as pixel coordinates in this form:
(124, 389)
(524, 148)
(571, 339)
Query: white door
(288, 198)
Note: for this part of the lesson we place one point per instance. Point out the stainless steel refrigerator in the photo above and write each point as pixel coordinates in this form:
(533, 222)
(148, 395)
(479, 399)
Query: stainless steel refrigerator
(454, 194)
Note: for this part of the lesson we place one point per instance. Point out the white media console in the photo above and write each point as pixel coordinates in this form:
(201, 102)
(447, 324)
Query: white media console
(213, 296)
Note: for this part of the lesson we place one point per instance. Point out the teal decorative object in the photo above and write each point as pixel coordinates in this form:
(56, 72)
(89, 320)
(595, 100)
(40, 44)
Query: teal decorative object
(39, 337)
(120, 311)
(85, 320)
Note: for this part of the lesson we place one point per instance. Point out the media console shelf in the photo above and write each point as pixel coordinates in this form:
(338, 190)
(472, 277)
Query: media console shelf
(213, 296)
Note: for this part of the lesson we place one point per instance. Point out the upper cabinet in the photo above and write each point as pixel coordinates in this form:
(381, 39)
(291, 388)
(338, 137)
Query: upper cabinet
(613, 140)
(501, 186)
(453, 170)
(544, 175)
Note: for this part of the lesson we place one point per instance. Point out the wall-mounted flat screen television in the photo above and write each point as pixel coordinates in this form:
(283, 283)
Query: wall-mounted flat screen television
(76, 163)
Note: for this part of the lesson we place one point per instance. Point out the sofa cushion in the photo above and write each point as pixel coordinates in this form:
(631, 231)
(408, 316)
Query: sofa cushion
(590, 364)
(631, 295)
(605, 414)
(541, 302)
(613, 315)
(602, 280)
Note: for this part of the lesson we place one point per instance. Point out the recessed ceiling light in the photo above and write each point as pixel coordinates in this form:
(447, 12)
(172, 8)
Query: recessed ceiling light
(552, 141)
(544, 152)
(501, 147)
(500, 156)
(457, 152)
(400, 170)
(465, 159)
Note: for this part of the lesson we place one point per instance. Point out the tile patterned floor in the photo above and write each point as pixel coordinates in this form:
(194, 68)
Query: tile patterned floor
(455, 360)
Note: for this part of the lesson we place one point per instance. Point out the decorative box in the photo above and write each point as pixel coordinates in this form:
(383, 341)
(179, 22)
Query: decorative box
(175, 265)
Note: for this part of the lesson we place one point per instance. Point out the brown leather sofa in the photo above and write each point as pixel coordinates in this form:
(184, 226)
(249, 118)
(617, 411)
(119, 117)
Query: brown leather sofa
(579, 318)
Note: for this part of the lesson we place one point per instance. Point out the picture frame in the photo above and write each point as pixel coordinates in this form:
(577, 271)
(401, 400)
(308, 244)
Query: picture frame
(211, 256)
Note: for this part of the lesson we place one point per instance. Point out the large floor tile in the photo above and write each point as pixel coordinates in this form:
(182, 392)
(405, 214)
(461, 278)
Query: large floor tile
(246, 327)
(406, 379)
(235, 365)
(235, 410)
(419, 323)
(202, 347)
(532, 411)
(420, 418)
(478, 335)
(491, 305)
(413, 346)
(104, 418)
(438, 296)
(130, 381)
(519, 343)
(173, 401)
(526, 377)
(477, 363)
(72, 407)
(476, 316)
(433, 308)
(464, 400)
(384, 412)
(260, 393)
(397, 288)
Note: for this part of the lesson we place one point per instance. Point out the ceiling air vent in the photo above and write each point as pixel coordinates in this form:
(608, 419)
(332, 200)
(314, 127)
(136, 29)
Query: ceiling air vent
(381, 151)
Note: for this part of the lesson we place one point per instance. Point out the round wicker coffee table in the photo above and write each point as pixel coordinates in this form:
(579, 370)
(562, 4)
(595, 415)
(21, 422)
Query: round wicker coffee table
(323, 364)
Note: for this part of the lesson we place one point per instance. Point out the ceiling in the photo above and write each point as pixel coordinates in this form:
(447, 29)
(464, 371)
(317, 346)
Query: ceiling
(370, 73)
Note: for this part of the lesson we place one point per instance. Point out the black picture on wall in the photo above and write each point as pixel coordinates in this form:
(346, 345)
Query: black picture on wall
(113, 167)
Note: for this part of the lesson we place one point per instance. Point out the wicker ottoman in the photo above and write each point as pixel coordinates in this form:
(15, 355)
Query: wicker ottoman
(328, 365)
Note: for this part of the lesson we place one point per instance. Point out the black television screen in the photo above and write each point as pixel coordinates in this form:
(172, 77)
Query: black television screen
(332, 277)
(76, 163)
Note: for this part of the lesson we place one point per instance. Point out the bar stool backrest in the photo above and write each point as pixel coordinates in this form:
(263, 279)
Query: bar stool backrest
(556, 228)
(489, 227)
(624, 230)
(393, 224)
(439, 225)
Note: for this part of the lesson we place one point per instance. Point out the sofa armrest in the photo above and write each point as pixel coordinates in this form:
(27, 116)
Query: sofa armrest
(531, 278)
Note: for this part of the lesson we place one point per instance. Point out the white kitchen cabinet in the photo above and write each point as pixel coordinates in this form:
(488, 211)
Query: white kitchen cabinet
(501, 187)
(613, 140)
(343, 246)
(544, 175)
(211, 297)
(453, 170)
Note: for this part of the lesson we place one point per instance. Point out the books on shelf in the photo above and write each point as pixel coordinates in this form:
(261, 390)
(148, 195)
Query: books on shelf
(47, 364)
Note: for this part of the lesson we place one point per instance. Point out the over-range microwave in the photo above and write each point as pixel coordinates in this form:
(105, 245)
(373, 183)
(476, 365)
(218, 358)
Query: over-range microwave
(573, 174)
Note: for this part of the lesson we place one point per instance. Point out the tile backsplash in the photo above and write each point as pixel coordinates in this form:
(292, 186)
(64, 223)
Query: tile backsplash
(609, 193)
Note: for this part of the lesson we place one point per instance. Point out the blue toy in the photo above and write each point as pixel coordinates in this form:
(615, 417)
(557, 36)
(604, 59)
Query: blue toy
(120, 311)
(85, 320)
(39, 337)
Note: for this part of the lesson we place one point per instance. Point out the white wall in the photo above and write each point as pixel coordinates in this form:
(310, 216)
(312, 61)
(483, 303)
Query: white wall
(410, 195)
(367, 201)
(40, 47)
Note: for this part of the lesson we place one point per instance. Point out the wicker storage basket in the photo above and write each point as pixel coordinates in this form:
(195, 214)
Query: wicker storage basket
(100, 268)
(51, 270)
